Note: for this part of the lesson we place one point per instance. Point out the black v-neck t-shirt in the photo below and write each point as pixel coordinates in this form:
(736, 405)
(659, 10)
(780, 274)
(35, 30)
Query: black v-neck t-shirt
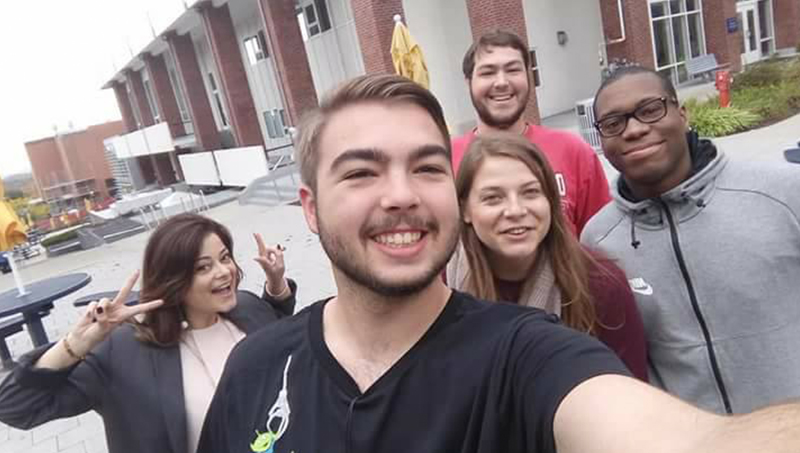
(485, 378)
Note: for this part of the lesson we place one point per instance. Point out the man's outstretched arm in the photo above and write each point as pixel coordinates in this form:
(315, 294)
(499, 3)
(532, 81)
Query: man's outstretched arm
(615, 414)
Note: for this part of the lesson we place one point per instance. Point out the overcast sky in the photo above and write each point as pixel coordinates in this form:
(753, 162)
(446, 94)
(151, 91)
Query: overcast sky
(55, 57)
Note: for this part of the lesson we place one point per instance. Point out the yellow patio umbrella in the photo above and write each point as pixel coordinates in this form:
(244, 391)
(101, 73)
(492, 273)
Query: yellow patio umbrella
(407, 55)
(12, 230)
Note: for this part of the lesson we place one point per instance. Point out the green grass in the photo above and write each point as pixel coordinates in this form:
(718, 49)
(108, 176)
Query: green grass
(66, 235)
(765, 93)
(711, 121)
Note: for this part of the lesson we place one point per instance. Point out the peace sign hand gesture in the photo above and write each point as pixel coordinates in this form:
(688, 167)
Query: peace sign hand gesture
(103, 316)
(98, 321)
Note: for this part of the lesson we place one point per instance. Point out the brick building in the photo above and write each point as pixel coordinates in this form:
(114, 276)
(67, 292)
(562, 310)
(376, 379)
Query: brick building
(71, 166)
(233, 74)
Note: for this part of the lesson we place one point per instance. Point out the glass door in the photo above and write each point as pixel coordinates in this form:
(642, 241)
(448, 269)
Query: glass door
(749, 26)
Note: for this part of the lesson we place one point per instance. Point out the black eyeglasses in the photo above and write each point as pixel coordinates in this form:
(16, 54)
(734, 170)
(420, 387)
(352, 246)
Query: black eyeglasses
(648, 113)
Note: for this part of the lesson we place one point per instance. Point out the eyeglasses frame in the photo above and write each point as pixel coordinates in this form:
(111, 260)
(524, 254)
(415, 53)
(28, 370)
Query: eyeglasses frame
(632, 114)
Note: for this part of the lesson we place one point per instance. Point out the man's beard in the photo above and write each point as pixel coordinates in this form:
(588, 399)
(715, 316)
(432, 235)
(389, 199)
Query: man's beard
(358, 270)
(499, 123)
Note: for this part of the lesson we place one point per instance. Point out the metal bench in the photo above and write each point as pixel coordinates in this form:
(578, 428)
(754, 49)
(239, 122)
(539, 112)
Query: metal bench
(9, 326)
(703, 66)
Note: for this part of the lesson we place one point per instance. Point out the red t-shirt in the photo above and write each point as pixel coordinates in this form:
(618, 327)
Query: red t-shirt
(579, 174)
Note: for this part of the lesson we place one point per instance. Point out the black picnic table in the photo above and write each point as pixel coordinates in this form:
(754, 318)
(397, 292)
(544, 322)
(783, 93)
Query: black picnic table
(133, 298)
(38, 301)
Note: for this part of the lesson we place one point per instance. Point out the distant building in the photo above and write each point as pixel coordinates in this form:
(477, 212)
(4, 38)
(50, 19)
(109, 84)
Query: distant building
(71, 167)
(229, 74)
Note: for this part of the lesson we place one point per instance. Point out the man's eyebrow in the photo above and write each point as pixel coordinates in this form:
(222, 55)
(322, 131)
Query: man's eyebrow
(486, 66)
(368, 154)
(380, 157)
(426, 151)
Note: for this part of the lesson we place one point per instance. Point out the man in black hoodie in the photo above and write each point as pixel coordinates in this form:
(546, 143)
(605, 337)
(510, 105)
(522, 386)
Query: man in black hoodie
(396, 361)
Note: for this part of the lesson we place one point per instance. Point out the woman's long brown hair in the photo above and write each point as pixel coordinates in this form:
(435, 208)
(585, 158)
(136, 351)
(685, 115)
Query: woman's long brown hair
(571, 263)
(168, 272)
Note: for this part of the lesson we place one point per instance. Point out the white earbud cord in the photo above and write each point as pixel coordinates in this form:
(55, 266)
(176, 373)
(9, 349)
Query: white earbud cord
(280, 409)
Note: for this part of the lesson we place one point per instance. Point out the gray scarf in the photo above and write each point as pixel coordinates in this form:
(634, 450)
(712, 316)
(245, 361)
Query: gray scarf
(539, 291)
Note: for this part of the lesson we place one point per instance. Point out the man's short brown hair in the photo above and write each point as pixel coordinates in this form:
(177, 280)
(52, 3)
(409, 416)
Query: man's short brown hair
(495, 38)
(367, 88)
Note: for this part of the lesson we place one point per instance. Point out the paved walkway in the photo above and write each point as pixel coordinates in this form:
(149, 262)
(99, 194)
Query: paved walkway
(111, 264)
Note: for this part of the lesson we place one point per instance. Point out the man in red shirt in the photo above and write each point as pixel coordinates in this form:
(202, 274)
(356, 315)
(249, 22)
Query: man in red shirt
(496, 69)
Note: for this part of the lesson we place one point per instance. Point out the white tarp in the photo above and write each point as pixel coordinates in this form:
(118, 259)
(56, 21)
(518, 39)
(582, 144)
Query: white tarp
(239, 166)
(199, 169)
(134, 202)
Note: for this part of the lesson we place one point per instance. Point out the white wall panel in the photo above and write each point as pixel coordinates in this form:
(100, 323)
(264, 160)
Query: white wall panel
(240, 166)
(120, 146)
(199, 169)
(158, 138)
(335, 55)
(442, 30)
(137, 144)
(570, 72)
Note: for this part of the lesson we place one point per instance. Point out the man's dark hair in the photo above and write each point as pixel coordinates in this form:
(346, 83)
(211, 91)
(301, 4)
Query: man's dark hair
(623, 71)
(495, 38)
(383, 88)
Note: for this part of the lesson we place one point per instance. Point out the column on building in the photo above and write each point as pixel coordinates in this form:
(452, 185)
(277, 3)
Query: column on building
(125, 107)
(375, 25)
(727, 47)
(205, 129)
(289, 54)
(233, 78)
(128, 118)
(134, 78)
(787, 24)
(164, 94)
(485, 16)
(165, 97)
(163, 172)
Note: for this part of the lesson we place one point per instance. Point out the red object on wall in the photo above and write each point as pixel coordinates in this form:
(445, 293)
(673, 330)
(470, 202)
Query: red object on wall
(723, 84)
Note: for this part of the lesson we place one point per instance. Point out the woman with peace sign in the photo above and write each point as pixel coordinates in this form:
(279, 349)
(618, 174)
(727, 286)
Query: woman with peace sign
(151, 369)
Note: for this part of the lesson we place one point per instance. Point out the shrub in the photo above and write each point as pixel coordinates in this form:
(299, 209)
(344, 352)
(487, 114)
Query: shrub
(59, 238)
(760, 74)
(770, 102)
(711, 121)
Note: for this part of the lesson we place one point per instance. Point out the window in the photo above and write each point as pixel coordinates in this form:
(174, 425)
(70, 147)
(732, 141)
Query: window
(766, 32)
(217, 99)
(313, 18)
(256, 48)
(148, 93)
(275, 122)
(178, 89)
(537, 80)
(677, 35)
(136, 116)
